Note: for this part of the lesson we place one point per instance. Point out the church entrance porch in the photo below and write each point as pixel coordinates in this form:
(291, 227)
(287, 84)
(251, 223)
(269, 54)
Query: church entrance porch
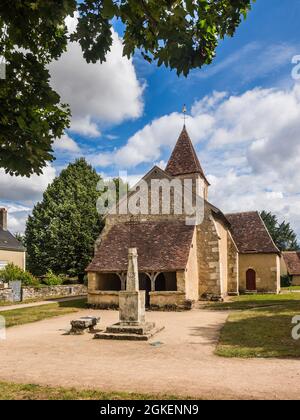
(164, 290)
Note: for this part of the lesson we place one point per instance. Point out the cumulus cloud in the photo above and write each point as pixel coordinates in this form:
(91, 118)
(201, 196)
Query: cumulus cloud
(99, 94)
(20, 194)
(66, 144)
(148, 143)
(25, 190)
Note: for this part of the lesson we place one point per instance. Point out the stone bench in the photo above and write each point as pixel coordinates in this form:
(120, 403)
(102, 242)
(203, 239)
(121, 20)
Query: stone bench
(80, 325)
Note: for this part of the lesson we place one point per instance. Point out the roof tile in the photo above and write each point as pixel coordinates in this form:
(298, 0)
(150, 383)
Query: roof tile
(184, 159)
(250, 233)
(162, 246)
(292, 260)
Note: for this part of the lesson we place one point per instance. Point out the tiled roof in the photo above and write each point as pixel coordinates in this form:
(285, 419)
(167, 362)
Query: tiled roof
(162, 246)
(250, 233)
(184, 160)
(9, 242)
(292, 260)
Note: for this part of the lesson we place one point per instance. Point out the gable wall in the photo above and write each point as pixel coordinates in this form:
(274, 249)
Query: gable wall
(267, 268)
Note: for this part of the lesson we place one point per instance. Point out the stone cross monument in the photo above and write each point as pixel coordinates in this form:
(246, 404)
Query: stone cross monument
(132, 325)
(132, 301)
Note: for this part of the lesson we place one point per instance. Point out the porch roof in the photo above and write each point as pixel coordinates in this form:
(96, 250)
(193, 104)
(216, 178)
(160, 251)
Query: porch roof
(162, 246)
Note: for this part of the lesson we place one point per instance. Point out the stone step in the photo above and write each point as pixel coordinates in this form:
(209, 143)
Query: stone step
(130, 329)
(128, 337)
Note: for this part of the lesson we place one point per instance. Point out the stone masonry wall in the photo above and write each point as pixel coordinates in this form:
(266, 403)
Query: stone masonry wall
(53, 291)
(6, 295)
(233, 267)
(208, 257)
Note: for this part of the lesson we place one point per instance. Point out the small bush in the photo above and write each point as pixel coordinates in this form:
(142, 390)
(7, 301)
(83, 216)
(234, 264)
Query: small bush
(52, 279)
(286, 281)
(12, 273)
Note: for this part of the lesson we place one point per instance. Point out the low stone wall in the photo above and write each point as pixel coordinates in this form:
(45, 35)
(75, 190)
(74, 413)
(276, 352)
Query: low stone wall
(171, 301)
(103, 299)
(6, 295)
(53, 291)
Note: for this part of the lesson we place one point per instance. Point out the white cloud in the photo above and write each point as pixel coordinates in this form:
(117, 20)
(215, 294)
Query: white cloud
(148, 143)
(99, 94)
(25, 190)
(20, 194)
(66, 144)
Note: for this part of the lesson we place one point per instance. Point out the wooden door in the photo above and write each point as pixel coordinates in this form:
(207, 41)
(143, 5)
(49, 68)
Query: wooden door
(251, 280)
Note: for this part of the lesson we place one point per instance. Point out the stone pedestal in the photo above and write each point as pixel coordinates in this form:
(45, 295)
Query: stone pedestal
(132, 307)
(132, 325)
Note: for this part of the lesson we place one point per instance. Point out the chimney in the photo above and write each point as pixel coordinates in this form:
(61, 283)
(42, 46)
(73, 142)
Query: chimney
(3, 218)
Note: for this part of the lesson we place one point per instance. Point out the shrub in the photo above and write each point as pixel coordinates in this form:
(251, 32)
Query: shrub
(286, 281)
(52, 279)
(11, 273)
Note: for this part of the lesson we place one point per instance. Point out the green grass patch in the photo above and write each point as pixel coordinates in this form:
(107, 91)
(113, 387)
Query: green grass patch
(35, 300)
(9, 391)
(254, 301)
(37, 313)
(291, 288)
(260, 327)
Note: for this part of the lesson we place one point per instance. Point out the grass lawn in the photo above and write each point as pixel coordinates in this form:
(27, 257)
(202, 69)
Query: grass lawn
(23, 302)
(291, 288)
(9, 391)
(37, 313)
(259, 326)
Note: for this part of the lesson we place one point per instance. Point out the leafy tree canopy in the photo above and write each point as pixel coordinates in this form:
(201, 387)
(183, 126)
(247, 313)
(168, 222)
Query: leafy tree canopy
(182, 35)
(61, 232)
(283, 235)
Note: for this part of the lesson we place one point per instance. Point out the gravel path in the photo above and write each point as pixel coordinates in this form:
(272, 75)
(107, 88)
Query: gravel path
(182, 364)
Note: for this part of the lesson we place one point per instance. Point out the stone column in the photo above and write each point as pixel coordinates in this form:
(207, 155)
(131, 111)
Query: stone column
(132, 301)
(133, 272)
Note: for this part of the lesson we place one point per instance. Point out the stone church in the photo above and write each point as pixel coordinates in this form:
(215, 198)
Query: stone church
(179, 262)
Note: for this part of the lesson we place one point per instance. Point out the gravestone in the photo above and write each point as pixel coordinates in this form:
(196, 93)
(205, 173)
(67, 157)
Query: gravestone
(16, 287)
(132, 324)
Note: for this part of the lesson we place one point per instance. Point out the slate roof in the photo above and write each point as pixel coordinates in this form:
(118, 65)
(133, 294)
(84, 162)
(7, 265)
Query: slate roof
(250, 233)
(292, 260)
(162, 246)
(184, 160)
(8, 242)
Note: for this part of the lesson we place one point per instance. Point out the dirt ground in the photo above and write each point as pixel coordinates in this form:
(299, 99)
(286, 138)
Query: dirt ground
(182, 364)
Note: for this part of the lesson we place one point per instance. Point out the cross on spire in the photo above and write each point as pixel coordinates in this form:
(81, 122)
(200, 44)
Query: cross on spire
(184, 110)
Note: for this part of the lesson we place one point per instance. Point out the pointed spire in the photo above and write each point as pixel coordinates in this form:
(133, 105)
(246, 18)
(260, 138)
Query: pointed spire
(184, 159)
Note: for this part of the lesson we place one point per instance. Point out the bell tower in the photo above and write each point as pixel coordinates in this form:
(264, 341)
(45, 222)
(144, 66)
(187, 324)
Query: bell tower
(184, 164)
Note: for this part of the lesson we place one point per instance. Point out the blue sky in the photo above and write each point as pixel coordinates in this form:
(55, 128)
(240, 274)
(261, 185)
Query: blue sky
(243, 117)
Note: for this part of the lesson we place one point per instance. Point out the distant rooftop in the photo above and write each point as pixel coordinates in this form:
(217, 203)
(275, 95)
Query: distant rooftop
(292, 260)
(8, 242)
